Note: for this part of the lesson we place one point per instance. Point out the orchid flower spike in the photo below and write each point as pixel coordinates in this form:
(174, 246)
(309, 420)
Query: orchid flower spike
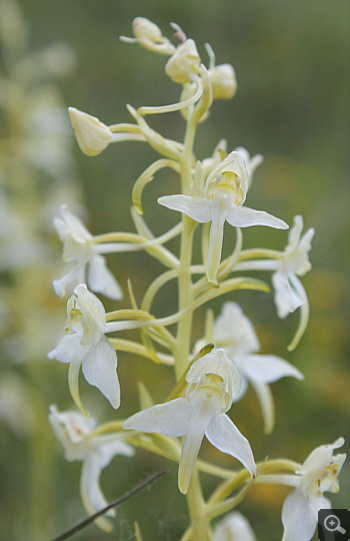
(212, 383)
(289, 291)
(223, 198)
(73, 430)
(234, 332)
(149, 35)
(77, 247)
(234, 527)
(318, 474)
(86, 345)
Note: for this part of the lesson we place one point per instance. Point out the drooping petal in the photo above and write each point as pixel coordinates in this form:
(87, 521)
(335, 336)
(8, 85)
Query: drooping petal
(267, 405)
(108, 448)
(215, 241)
(65, 348)
(298, 517)
(73, 376)
(304, 312)
(202, 413)
(101, 280)
(226, 437)
(234, 331)
(246, 217)
(91, 493)
(268, 368)
(170, 419)
(287, 299)
(100, 369)
(197, 208)
(75, 276)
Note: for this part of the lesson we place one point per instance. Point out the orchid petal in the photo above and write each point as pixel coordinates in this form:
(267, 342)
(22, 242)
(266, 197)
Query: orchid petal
(108, 447)
(234, 331)
(215, 242)
(320, 457)
(75, 276)
(304, 312)
(298, 517)
(243, 389)
(226, 437)
(73, 378)
(91, 493)
(99, 368)
(267, 405)
(246, 217)
(294, 233)
(65, 348)
(101, 280)
(197, 208)
(169, 419)
(203, 411)
(287, 298)
(268, 368)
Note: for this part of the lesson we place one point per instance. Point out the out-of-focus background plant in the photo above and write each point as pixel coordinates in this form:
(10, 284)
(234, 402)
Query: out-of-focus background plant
(292, 106)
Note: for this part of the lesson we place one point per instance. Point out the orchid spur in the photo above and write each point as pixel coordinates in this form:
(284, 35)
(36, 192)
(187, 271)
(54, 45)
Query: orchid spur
(224, 194)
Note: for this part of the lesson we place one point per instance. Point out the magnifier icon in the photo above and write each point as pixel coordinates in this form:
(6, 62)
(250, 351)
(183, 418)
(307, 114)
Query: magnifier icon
(332, 524)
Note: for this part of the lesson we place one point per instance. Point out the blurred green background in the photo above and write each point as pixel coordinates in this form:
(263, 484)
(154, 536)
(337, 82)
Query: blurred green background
(292, 65)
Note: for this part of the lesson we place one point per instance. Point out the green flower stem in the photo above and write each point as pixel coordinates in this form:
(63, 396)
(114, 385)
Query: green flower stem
(157, 251)
(242, 476)
(121, 344)
(160, 281)
(199, 519)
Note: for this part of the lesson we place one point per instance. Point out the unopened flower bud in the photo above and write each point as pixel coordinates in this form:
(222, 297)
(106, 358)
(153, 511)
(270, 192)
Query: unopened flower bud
(149, 35)
(223, 81)
(92, 135)
(184, 64)
(145, 29)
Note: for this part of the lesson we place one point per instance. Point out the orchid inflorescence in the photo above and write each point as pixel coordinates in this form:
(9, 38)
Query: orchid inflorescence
(213, 373)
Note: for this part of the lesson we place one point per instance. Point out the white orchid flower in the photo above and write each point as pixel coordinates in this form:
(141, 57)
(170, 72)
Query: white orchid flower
(318, 474)
(213, 381)
(234, 527)
(86, 345)
(224, 195)
(289, 291)
(234, 332)
(73, 430)
(77, 247)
